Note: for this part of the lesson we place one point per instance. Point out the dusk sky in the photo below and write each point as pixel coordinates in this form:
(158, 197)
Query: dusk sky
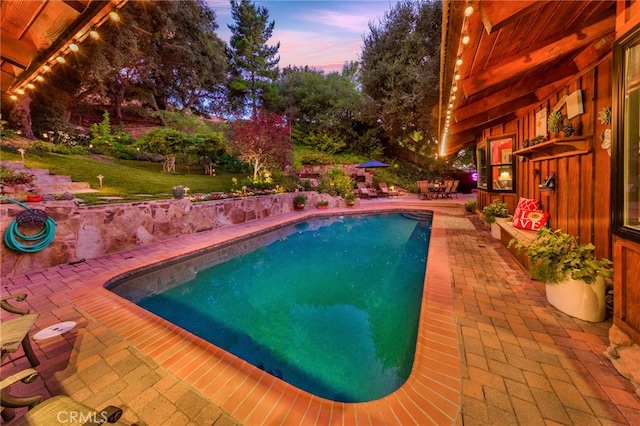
(320, 34)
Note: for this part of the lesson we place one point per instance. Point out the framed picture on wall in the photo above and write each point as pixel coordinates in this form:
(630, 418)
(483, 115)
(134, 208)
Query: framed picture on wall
(541, 122)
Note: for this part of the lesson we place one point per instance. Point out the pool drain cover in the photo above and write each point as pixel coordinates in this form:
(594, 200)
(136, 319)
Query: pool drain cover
(54, 330)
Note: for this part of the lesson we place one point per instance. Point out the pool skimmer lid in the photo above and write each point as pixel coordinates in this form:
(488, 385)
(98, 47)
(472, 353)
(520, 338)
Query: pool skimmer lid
(54, 330)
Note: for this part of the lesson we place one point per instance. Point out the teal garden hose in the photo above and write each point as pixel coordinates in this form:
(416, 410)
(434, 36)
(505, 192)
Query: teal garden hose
(14, 239)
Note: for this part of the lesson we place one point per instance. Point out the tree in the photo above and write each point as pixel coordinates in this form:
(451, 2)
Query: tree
(400, 66)
(262, 141)
(325, 110)
(162, 54)
(253, 64)
(189, 58)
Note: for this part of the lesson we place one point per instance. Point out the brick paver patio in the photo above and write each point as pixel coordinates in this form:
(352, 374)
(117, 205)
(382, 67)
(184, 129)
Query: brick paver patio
(521, 361)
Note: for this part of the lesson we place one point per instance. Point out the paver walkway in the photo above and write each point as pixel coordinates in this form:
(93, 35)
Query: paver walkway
(523, 362)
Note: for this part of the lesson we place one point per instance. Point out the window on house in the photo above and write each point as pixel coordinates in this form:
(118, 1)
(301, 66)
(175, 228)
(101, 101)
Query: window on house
(495, 164)
(627, 137)
(481, 154)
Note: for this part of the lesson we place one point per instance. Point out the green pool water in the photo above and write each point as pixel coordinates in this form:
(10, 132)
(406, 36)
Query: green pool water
(331, 306)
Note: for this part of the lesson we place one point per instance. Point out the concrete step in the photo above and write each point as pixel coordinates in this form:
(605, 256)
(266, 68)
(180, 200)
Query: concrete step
(46, 183)
(52, 180)
(72, 187)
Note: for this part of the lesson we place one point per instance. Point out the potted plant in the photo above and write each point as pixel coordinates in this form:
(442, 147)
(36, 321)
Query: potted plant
(322, 205)
(350, 199)
(574, 279)
(497, 208)
(554, 122)
(299, 201)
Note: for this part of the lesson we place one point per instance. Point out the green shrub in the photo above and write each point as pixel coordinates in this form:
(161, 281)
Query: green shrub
(553, 255)
(316, 158)
(9, 177)
(471, 206)
(336, 182)
(496, 209)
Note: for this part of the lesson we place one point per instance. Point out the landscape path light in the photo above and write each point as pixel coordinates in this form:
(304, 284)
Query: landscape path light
(22, 151)
(100, 177)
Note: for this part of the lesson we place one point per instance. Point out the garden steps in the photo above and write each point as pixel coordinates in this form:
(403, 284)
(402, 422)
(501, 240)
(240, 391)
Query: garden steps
(46, 183)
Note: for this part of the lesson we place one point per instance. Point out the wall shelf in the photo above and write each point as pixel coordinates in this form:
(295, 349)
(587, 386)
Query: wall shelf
(556, 148)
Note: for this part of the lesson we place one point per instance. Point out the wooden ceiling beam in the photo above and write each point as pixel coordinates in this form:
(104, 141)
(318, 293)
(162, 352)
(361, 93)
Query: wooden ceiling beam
(493, 114)
(528, 60)
(76, 5)
(16, 52)
(595, 51)
(507, 95)
(498, 14)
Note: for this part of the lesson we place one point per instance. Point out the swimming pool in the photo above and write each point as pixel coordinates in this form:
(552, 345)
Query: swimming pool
(357, 283)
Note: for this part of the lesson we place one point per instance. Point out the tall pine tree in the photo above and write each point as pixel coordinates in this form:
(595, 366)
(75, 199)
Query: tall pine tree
(253, 63)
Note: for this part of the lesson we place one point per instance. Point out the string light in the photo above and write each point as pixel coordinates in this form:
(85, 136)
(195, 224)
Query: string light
(459, 61)
(114, 15)
(74, 47)
(468, 11)
(466, 39)
(13, 97)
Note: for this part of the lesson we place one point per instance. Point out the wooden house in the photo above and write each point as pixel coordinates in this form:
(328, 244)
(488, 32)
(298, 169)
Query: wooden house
(507, 67)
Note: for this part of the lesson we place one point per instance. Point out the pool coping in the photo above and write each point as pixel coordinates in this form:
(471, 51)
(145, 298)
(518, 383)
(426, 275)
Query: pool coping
(431, 394)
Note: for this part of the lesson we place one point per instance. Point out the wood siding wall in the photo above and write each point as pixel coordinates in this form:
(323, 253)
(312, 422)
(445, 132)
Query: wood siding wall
(626, 254)
(580, 204)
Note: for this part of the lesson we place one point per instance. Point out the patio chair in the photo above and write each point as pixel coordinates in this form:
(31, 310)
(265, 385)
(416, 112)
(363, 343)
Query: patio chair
(385, 191)
(364, 191)
(452, 190)
(59, 410)
(15, 331)
(423, 190)
(448, 186)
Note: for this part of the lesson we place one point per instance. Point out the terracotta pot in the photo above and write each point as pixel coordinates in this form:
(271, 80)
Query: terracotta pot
(34, 198)
(298, 206)
(322, 207)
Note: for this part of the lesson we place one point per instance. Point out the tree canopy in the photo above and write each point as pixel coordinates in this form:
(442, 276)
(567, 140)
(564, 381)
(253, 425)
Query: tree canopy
(400, 72)
(253, 63)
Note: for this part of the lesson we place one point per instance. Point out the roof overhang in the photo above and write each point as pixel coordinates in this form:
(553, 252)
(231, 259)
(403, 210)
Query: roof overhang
(519, 54)
(36, 32)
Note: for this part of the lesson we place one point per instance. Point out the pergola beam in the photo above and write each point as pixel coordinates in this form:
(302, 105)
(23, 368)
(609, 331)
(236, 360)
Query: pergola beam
(526, 61)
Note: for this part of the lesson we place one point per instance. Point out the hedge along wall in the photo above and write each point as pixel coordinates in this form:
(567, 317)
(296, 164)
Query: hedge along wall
(94, 231)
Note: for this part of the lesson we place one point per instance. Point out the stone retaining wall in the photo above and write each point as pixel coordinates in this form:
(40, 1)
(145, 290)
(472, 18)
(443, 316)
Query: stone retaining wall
(94, 231)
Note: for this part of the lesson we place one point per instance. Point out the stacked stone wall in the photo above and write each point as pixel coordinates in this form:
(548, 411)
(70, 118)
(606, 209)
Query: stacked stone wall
(94, 231)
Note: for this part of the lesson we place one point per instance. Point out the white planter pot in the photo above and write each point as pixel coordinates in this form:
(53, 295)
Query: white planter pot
(579, 299)
(495, 231)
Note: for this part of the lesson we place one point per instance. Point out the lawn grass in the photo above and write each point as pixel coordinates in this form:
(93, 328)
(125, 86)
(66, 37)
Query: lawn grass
(123, 178)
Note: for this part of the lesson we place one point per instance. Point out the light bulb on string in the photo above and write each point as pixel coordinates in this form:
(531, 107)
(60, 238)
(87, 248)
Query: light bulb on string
(113, 15)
